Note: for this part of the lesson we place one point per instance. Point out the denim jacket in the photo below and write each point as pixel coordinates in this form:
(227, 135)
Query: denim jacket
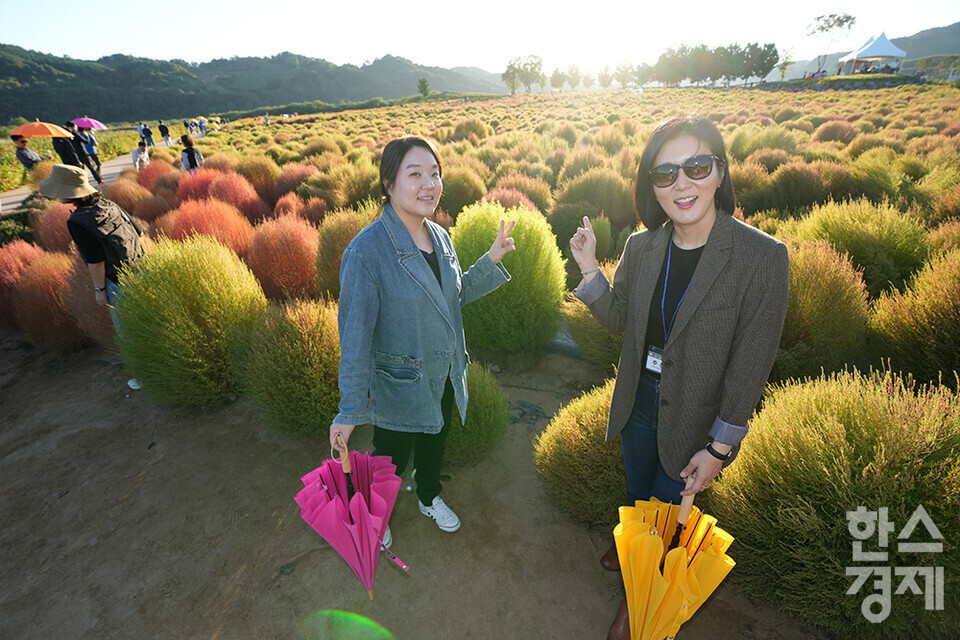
(401, 334)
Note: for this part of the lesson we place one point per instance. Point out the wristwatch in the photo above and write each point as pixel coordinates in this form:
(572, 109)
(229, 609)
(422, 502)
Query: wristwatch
(716, 454)
(99, 289)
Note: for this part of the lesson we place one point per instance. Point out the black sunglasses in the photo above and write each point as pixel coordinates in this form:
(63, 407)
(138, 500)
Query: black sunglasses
(696, 168)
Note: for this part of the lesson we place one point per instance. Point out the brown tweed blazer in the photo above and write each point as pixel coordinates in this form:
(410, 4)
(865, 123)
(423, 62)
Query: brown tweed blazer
(723, 342)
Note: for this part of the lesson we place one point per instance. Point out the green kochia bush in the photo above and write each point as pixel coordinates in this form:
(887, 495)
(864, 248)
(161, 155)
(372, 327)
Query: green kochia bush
(520, 316)
(826, 319)
(291, 365)
(596, 343)
(579, 469)
(920, 329)
(487, 412)
(821, 449)
(888, 245)
(180, 312)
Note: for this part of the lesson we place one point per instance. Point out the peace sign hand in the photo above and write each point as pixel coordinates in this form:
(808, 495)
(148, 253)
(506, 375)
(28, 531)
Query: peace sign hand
(503, 244)
(583, 246)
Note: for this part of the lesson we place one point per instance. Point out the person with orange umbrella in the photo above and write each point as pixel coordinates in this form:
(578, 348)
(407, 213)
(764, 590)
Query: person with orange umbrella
(27, 157)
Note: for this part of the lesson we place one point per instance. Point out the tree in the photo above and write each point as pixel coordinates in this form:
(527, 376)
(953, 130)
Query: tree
(643, 73)
(827, 24)
(423, 87)
(785, 63)
(557, 79)
(670, 67)
(604, 77)
(573, 76)
(624, 73)
(763, 60)
(700, 61)
(531, 68)
(511, 77)
(588, 80)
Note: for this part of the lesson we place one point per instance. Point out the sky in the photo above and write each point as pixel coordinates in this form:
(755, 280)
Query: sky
(484, 34)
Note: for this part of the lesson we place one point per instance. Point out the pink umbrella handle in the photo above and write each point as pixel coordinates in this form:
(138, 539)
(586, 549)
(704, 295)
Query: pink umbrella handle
(394, 558)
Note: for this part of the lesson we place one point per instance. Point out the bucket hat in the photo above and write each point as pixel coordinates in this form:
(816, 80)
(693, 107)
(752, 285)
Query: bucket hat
(66, 182)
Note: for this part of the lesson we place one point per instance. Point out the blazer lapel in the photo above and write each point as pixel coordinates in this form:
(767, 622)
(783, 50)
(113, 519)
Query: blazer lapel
(715, 255)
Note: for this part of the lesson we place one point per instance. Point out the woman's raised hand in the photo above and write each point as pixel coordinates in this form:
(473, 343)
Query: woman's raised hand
(503, 243)
(583, 246)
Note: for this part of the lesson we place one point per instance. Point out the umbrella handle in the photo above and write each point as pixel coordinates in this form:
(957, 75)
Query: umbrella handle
(344, 456)
(686, 504)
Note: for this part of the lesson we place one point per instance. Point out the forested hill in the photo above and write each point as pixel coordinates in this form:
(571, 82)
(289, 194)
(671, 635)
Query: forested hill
(123, 88)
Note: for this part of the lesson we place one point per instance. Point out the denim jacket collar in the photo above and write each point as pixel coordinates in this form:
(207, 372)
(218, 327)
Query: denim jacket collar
(410, 260)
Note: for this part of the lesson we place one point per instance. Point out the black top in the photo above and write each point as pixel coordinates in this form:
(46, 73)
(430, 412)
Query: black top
(433, 262)
(683, 262)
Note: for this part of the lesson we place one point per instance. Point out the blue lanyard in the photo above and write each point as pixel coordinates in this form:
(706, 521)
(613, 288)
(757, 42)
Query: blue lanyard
(663, 298)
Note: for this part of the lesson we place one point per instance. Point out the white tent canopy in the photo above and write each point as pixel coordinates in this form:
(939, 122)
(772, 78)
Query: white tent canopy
(876, 49)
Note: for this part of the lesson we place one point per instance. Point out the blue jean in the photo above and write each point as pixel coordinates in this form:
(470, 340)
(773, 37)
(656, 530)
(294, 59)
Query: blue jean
(645, 474)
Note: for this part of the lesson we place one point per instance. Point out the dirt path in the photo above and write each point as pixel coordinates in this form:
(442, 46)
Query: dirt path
(123, 520)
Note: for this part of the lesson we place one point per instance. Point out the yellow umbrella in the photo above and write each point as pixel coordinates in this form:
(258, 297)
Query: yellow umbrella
(659, 600)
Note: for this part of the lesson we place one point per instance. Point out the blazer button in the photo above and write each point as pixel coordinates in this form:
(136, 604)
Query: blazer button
(664, 403)
(668, 363)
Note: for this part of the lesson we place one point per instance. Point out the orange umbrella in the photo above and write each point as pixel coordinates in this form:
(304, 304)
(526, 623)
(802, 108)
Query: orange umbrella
(41, 130)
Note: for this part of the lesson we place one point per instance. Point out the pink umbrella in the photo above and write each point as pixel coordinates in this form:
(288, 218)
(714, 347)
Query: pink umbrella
(88, 123)
(352, 524)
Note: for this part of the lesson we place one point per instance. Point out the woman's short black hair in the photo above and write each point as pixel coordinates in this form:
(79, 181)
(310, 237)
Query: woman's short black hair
(649, 211)
(394, 153)
(186, 140)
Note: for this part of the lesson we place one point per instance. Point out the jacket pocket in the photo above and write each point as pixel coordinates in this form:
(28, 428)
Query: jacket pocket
(399, 369)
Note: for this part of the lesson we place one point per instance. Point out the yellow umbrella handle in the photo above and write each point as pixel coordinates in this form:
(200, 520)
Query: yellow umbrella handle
(344, 456)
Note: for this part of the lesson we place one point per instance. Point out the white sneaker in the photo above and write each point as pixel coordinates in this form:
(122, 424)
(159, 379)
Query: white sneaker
(445, 518)
(387, 538)
(133, 384)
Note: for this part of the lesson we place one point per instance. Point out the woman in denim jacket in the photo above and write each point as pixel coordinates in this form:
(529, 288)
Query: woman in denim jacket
(403, 361)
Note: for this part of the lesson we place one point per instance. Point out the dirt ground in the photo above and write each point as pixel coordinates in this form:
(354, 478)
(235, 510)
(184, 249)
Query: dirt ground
(124, 520)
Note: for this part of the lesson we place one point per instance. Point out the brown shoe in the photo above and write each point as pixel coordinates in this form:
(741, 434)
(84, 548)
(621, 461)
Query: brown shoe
(620, 629)
(610, 560)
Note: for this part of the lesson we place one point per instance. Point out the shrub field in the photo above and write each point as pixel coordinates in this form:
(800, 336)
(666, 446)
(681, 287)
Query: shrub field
(238, 295)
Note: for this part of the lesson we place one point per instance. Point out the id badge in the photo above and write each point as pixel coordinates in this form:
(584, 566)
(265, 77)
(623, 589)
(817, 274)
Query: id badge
(654, 360)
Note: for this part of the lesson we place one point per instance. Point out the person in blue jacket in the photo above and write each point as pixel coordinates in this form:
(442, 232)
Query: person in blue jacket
(403, 360)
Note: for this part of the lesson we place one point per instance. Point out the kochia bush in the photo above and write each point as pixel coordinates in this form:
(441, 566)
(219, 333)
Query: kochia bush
(39, 306)
(582, 472)
(487, 413)
(820, 450)
(291, 365)
(335, 233)
(919, 329)
(212, 218)
(180, 313)
(283, 255)
(522, 314)
(15, 257)
(50, 225)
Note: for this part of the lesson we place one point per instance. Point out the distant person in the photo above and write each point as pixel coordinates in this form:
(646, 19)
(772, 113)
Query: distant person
(191, 159)
(140, 128)
(89, 142)
(141, 157)
(164, 132)
(107, 238)
(148, 135)
(71, 151)
(27, 157)
(266, 119)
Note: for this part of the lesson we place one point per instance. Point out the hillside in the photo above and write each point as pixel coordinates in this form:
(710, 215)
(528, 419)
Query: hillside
(125, 88)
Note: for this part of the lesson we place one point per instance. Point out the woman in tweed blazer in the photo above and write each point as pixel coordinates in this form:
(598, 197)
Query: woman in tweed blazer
(701, 299)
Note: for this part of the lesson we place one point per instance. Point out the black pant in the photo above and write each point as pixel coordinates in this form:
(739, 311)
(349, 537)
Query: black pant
(427, 450)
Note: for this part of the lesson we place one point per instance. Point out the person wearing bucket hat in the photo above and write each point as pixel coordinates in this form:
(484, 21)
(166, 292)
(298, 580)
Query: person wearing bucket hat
(107, 238)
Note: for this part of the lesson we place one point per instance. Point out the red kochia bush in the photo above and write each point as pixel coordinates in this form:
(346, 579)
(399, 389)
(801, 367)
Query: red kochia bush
(288, 205)
(292, 176)
(126, 193)
(283, 255)
(234, 189)
(213, 218)
(51, 226)
(839, 130)
(14, 260)
(38, 303)
(194, 186)
(78, 297)
(149, 174)
(315, 210)
(509, 198)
